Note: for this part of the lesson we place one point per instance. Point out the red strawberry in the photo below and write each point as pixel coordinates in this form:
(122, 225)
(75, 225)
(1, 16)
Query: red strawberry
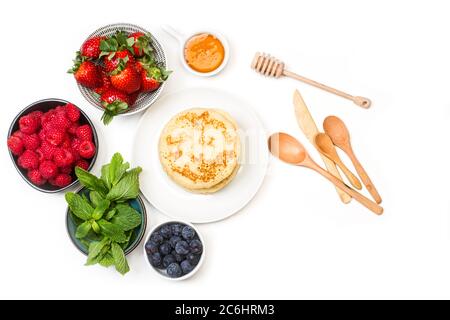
(113, 60)
(55, 136)
(106, 83)
(87, 149)
(47, 150)
(31, 142)
(28, 160)
(48, 169)
(86, 73)
(152, 77)
(35, 177)
(28, 124)
(126, 79)
(72, 112)
(66, 170)
(141, 44)
(63, 157)
(114, 102)
(61, 180)
(91, 47)
(15, 144)
(83, 164)
(84, 132)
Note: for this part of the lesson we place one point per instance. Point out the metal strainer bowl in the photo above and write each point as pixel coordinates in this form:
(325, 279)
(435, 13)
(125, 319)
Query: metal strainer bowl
(145, 100)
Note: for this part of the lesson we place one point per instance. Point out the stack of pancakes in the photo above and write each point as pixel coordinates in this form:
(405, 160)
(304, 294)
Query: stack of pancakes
(199, 149)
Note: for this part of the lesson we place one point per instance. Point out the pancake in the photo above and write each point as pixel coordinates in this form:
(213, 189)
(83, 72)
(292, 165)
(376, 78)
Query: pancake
(199, 149)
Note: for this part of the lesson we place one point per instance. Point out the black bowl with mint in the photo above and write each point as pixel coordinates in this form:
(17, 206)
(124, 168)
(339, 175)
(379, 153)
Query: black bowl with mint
(106, 219)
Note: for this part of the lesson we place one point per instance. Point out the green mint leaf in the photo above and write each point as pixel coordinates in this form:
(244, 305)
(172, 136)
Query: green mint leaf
(112, 231)
(90, 181)
(107, 260)
(95, 226)
(79, 206)
(120, 261)
(127, 188)
(127, 218)
(113, 172)
(110, 214)
(95, 198)
(126, 243)
(95, 249)
(83, 229)
(100, 209)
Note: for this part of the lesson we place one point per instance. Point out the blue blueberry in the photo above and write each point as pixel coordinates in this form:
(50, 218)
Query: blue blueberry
(168, 260)
(157, 238)
(165, 231)
(178, 257)
(173, 241)
(182, 247)
(174, 270)
(155, 260)
(188, 233)
(165, 248)
(151, 247)
(193, 259)
(186, 266)
(176, 229)
(196, 246)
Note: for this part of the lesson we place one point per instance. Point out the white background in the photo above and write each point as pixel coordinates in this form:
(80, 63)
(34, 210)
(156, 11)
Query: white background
(295, 239)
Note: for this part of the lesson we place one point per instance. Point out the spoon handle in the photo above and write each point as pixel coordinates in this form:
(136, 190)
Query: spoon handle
(365, 178)
(350, 176)
(369, 204)
(174, 33)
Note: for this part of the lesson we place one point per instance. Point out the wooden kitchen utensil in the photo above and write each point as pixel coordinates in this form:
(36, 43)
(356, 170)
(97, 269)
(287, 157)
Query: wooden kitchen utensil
(326, 147)
(309, 128)
(270, 66)
(340, 136)
(290, 150)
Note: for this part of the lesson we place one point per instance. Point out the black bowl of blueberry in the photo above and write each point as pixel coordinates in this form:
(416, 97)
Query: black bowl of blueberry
(175, 250)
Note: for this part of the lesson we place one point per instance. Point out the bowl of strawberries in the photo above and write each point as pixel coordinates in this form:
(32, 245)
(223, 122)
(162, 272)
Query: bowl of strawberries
(120, 69)
(47, 140)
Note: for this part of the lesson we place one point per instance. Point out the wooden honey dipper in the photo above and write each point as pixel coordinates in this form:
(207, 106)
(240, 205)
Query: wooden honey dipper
(272, 67)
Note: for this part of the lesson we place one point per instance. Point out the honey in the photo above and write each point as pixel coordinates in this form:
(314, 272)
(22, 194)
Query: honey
(204, 52)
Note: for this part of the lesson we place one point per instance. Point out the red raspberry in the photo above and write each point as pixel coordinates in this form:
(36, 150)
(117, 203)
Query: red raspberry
(18, 134)
(87, 149)
(28, 160)
(37, 114)
(66, 143)
(73, 128)
(40, 154)
(84, 132)
(55, 136)
(83, 164)
(48, 116)
(47, 150)
(75, 144)
(31, 142)
(61, 122)
(48, 169)
(42, 135)
(72, 112)
(61, 180)
(15, 144)
(35, 177)
(66, 170)
(28, 124)
(63, 157)
(60, 109)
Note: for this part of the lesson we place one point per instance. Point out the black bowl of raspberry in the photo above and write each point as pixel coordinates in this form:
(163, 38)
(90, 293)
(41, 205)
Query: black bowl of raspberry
(47, 139)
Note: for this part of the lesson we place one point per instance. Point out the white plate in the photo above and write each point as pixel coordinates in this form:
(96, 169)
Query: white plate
(172, 199)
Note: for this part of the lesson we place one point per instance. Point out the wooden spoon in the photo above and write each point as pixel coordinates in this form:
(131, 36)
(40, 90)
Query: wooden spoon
(326, 147)
(288, 149)
(269, 66)
(340, 136)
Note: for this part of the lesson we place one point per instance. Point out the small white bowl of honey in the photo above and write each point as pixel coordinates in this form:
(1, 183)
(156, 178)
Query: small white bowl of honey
(203, 53)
